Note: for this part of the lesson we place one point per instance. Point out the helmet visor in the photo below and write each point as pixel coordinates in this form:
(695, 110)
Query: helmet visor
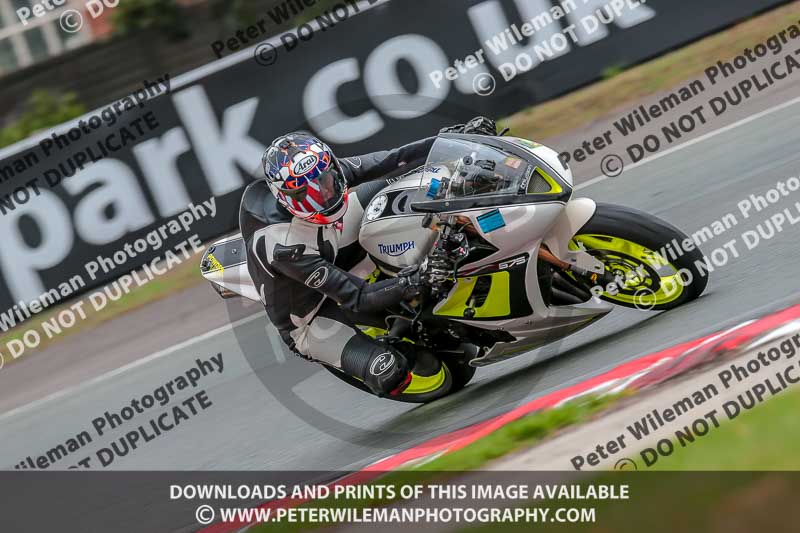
(321, 195)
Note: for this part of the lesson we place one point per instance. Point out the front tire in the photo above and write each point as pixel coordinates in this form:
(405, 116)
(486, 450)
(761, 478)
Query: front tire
(640, 249)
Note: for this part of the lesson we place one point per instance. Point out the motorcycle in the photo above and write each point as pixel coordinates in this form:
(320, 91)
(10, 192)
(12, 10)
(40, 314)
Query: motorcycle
(513, 261)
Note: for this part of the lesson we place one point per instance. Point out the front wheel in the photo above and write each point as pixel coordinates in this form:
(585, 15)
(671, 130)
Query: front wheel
(654, 267)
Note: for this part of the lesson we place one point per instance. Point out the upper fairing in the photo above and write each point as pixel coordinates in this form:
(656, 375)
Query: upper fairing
(548, 155)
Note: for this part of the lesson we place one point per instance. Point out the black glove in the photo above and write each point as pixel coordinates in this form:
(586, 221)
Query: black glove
(476, 126)
(481, 126)
(389, 293)
(411, 282)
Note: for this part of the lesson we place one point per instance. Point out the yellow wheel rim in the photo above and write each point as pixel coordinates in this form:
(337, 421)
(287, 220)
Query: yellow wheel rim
(419, 384)
(426, 384)
(647, 278)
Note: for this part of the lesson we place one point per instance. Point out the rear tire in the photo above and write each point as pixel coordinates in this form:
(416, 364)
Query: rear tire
(623, 237)
(462, 374)
(456, 376)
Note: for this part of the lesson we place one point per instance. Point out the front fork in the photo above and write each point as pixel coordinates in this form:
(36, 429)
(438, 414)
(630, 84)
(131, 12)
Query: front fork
(556, 244)
(595, 278)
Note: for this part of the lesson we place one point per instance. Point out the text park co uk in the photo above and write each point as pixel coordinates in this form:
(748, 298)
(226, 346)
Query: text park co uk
(221, 143)
(58, 149)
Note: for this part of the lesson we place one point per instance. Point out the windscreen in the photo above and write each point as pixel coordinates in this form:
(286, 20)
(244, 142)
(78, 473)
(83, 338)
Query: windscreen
(458, 168)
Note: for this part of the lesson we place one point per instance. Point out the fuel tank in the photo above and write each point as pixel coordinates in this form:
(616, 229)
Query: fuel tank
(391, 233)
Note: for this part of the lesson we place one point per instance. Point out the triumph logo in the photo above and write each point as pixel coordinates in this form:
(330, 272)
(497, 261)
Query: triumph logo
(304, 165)
(318, 278)
(395, 250)
(382, 364)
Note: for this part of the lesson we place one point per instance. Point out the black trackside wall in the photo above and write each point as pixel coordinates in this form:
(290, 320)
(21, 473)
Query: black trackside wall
(364, 84)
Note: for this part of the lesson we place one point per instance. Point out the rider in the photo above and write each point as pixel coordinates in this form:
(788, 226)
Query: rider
(300, 227)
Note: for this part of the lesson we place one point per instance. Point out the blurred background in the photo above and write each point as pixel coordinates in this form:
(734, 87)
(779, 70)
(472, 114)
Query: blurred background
(48, 75)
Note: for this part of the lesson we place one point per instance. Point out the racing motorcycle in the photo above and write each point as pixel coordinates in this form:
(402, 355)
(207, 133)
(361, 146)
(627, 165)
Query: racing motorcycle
(513, 261)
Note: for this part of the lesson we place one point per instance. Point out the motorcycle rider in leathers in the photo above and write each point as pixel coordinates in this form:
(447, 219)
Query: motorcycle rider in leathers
(300, 226)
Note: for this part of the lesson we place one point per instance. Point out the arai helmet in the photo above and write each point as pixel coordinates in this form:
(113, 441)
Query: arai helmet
(306, 178)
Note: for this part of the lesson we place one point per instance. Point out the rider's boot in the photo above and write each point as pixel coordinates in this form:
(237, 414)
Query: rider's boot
(382, 368)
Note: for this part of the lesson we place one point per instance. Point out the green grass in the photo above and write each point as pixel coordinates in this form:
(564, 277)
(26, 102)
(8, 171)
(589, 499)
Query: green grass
(713, 501)
(736, 479)
(613, 71)
(43, 109)
(659, 501)
(764, 438)
(525, 432)
(669, 502)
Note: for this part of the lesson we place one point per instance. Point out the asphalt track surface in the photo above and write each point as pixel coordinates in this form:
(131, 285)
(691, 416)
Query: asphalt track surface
(275, 412)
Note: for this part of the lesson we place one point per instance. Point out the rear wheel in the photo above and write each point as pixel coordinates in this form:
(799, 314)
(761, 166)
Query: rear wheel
(462, 374)
(647, 257)
(451, 377)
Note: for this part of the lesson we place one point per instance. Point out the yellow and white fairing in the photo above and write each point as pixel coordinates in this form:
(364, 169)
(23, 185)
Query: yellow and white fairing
(516, 196)
(224, 264)
(495, 290)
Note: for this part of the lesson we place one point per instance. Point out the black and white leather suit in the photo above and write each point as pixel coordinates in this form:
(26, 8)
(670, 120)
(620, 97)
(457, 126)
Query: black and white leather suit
(303, 271)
